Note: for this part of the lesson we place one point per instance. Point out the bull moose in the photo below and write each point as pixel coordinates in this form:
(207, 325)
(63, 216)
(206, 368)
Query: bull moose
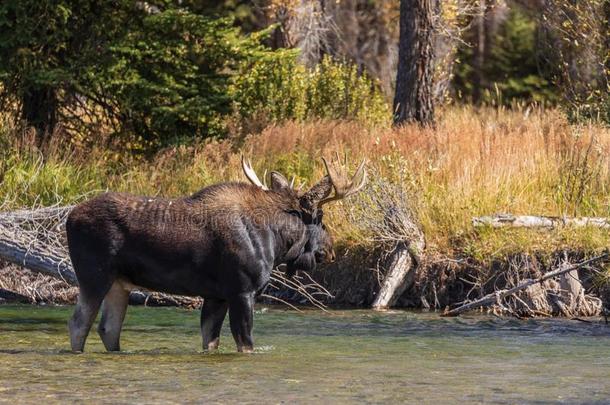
(221, 243)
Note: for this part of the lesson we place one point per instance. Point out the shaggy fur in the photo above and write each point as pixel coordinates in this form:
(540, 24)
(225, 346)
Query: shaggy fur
(221, 243)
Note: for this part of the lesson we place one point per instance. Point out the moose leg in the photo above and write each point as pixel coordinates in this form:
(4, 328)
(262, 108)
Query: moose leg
(240, 316)
(213, 314)
(113, 314)
(87, 306)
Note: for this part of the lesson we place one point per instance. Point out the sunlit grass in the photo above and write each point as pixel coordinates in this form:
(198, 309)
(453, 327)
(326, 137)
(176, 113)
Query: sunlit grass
(472, 163)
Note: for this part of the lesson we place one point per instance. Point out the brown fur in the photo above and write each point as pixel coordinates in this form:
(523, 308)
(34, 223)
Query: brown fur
(221, 243)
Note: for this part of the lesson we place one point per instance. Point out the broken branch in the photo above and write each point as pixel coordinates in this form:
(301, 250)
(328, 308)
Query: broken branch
(497, 296)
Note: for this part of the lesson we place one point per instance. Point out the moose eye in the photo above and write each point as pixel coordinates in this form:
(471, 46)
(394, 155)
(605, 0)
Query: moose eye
(296, 213)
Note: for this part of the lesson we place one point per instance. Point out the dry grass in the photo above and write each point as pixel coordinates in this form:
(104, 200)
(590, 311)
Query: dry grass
(473, 163)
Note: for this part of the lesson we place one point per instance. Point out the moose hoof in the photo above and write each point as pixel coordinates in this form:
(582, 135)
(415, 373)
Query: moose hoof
(245, 349)
(213, 345)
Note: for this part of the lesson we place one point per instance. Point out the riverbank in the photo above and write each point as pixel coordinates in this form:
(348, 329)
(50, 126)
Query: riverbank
(437, 285)
(474, 163)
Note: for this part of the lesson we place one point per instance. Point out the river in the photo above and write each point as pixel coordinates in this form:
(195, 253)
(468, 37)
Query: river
(308, 357)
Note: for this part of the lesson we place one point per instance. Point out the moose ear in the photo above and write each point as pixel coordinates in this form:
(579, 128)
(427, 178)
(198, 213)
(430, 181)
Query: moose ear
(279, 182)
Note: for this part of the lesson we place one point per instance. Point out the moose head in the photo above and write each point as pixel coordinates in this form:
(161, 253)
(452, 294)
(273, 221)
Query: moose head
(319, 245)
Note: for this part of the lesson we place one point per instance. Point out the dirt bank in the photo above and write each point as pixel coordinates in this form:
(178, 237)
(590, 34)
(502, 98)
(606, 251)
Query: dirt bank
(439, 283)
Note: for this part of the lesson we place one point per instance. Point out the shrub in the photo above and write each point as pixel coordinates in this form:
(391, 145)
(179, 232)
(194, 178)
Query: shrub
(282, 89)
(171, 77)
(158, 71)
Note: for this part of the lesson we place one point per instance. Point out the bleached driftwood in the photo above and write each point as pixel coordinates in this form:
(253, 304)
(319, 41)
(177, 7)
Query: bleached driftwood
(530, 221)
(402, 265)
(386, 211)
(35, 260)
(399, 276)
(497, 296)
(34, 239)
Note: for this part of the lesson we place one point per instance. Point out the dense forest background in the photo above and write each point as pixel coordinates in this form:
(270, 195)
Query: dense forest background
(165, 72)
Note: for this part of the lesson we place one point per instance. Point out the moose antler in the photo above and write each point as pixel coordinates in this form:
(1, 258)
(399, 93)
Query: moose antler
(250, 174)
(343, 186)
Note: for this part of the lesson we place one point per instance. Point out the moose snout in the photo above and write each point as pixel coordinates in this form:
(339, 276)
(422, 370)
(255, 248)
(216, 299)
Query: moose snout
(325, 256)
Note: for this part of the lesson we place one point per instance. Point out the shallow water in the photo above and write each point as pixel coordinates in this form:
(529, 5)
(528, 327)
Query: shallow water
(342, 356)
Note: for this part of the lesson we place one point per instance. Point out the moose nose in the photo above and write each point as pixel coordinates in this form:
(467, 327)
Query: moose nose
(325, 256)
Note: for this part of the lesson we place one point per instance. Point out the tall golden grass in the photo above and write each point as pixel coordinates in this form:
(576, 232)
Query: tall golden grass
(474, 162)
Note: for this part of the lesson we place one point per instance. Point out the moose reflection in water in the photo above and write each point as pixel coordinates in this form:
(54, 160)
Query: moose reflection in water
(220, 243)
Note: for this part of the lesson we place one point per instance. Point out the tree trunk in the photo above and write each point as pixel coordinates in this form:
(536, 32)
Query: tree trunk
(606, 35)
(413, 100)
(479, 53)
(39, 110)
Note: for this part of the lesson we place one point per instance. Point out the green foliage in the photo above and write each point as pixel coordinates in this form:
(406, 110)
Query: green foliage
(595, 106)
(281, 88)
(581, 56)
(511, 71)
(165, 74)
(246, 13)
(47, 48)
(171, 77)
(579, 41)
(38, 41)
(162, 73)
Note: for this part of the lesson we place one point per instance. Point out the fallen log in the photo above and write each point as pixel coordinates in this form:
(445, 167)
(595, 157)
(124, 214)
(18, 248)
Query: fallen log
(10, 296)
(399, 277)
(497, 296)
(35, 239)
(36, 260)
(530, 221)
